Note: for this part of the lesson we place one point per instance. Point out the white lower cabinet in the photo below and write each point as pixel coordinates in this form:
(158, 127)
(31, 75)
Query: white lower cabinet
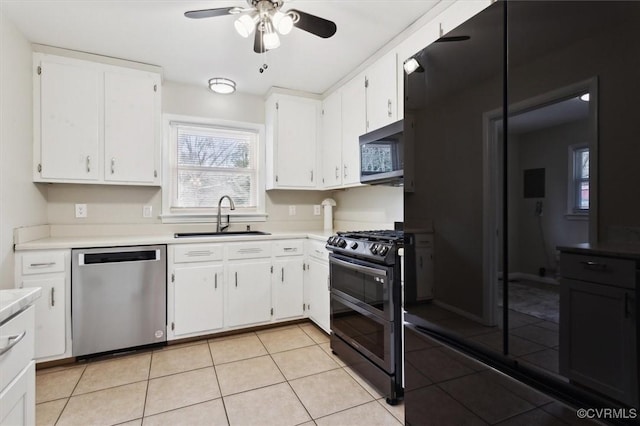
(17, 378)
(248, 293)
(288, 278)
(48, 270)
(316, 284)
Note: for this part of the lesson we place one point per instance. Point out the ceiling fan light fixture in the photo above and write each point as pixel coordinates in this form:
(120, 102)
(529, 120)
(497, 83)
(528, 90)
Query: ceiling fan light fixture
(283, 22)
(222, 85)
(245, 25)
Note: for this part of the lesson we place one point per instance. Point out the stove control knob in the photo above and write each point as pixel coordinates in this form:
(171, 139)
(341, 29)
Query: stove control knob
(374, 248)
(342, 243)
(383, 250)
(354, 245)
(330, 240)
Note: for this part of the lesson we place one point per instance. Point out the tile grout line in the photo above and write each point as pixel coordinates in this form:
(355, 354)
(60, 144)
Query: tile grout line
(146, 391)
(69, 398)
(215, 371)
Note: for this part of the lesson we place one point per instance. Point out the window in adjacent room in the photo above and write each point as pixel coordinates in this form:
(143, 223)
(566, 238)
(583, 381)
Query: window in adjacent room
(579, 179)
(208, 161)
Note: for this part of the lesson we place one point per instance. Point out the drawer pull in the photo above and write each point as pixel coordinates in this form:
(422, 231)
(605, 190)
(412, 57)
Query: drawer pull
(199, 253)
(594, 266)
(41, 265)
(53, 297)
(12, 341)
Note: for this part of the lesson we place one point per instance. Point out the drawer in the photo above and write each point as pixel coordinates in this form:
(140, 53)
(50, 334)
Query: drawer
(248, 250)
(17, 339)
(43, 263)
(598, 269)
(317, 250)
(288, 248)
(187, 253)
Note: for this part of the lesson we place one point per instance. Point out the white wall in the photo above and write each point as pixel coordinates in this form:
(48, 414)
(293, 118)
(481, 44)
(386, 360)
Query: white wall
(368, 207)
(22, 203)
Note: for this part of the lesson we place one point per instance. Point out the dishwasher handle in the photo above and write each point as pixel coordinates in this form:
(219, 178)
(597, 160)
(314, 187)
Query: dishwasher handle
(117, 257)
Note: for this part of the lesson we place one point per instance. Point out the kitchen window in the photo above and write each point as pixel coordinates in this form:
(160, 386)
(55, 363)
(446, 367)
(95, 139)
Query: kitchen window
(207, 159)
(578, 190)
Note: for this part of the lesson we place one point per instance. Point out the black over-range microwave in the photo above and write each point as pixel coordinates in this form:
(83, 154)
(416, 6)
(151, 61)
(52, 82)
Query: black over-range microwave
(382, 155)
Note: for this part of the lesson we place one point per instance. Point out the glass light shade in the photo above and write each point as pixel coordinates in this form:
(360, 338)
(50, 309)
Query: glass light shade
(283, 22)
(270, 39)
(411, 65)
(245, 25)
(222, 85)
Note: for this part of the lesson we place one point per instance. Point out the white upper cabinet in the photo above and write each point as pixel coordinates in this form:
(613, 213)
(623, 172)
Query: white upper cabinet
(95, 123)
(69, 113)
(382, 92)
(292, 142)
(354, 124)
(331, 146)
(131, 129)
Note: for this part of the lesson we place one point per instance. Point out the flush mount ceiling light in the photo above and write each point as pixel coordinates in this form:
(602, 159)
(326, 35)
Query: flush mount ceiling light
(412, 65)
(267, 20)
(222, 85)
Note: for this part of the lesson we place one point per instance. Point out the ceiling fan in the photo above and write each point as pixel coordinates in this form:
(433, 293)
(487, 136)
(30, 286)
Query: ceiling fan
(267, 20)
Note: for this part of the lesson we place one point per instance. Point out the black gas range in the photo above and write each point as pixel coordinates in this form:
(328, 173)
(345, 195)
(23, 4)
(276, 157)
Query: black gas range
(366, 308)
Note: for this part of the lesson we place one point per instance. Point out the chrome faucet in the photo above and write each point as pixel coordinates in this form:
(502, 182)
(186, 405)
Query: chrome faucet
(219, 227)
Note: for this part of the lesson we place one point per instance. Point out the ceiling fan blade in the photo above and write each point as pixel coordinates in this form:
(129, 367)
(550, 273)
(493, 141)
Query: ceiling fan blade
(314, 24)
(209, 13)
(258, 43)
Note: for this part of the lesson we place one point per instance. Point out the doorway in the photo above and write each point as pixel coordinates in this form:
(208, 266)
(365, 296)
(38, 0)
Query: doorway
(550, 171)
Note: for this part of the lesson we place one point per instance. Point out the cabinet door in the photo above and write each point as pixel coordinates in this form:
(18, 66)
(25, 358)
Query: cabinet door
(18, 399)
(598, 338)
(69, 122)
(50, 330)
(248, 293)
(131, 126)
(424, 273)
(331, 147)
(288, 288)
(354, 124)
(317, 285)
(198, 299)
(296, 142)
(382, 93)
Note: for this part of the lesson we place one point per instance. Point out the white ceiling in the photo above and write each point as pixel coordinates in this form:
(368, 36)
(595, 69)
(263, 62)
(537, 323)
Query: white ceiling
(192, 51)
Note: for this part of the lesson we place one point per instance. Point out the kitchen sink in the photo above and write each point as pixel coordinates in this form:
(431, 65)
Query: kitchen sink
(217, 234)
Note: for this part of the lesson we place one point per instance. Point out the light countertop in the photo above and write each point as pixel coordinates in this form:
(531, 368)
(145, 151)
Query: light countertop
(50, 243)
(14, 300)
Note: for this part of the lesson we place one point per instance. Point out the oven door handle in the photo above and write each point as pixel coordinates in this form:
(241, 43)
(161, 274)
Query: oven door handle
(359, 268)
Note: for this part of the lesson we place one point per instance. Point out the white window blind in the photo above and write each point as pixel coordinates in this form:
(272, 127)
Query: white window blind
(211, 162)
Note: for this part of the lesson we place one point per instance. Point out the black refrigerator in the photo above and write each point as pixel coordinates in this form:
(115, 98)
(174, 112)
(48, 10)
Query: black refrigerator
(496, 112)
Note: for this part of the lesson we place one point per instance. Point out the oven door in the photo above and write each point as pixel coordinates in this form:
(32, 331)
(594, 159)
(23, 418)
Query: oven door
(367, 333)
(363, 283)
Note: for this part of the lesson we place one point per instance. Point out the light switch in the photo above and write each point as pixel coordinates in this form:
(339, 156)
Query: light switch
(147, 211)
(316, 210)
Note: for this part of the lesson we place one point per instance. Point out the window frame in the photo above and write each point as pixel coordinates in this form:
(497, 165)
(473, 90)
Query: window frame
(174, 214)
(573, 182)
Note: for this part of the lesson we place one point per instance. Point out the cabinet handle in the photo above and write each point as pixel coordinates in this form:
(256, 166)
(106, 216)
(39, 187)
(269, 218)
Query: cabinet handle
(216, 281)
(236, 279)
(421, 262)
(337, 168)
(282, 279)
(311, 175)
(594, 266)
(329, 283)
(12, 341)
(41, 265)
(389, 107)
(88, 164)
(113, 165)
(53, 297)
(345, 171)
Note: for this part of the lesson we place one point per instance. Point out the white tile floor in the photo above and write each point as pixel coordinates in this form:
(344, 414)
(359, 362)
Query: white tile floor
(280, 376)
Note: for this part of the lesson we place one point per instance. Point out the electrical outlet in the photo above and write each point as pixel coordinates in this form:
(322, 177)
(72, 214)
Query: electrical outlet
(292, 210)
(81, 210)
(147, 211)
(316, 210)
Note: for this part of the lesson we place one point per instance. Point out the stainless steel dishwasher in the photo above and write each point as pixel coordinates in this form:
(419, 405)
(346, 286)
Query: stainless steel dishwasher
(118, 298)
